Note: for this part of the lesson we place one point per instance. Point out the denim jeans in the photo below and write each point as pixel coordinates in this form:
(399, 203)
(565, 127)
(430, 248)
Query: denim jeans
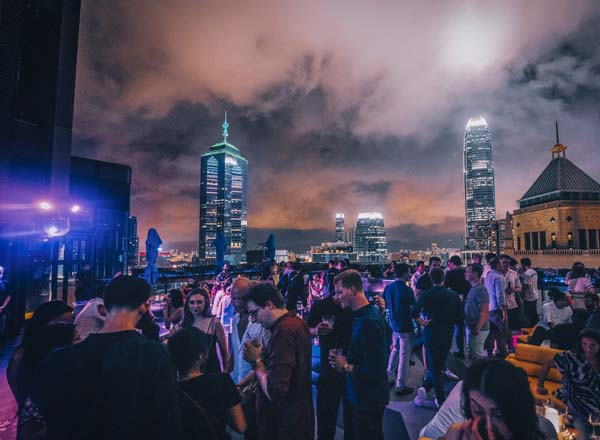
(400, 357)
(437, 346)
(475, 343)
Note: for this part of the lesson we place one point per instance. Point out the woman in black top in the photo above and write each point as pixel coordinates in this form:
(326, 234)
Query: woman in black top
(215, 393)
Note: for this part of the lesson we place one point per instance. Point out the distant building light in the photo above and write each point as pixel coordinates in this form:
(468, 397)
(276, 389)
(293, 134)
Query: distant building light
(476, 122)
(339, 215)
(370, 215)
(75, 209)
(45, 205)
(160, 249)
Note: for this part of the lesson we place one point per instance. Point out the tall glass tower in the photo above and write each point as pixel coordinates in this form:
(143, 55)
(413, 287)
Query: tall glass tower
(478, 170)
(370, 242)
(339, 228)
(223, 201)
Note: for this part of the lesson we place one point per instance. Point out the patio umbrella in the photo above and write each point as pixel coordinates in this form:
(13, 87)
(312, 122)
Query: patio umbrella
(153, 242)
(270, 247)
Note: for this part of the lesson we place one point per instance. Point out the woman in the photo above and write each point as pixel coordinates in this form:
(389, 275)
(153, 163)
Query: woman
(315, 289)
(216, 394)
(497, 403)
(196, 312)
(50, 327)
(173, 309)
(579, 285)
(580, 371)
(390, 272)
(554, 313)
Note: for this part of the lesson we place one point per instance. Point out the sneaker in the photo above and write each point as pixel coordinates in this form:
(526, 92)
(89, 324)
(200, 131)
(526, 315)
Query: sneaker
(402, 391)
(450, 375)
(437, 404)
(459, 355)
(420, 397)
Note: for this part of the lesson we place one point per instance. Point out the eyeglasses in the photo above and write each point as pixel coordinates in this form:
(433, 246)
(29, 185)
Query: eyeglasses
(254, 312)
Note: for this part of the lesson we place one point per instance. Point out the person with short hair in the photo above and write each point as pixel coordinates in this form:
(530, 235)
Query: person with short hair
(365, 363)
(530, 292)
(591, 301)
(579, 284)
(117, 378)
(424, 282)
(455, 280)
(399, 299)
(486, 267)
(476, 312)
(437, 310)
(215, 393)
(282, 368)
(495, 284)
(419, 270)
(554, 312)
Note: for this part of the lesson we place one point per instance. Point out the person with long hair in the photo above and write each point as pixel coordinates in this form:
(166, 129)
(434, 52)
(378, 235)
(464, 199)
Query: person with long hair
(173, 309)
(497, 404)
(196, 312)
(579, 284)
(50, 327)
(580, 370)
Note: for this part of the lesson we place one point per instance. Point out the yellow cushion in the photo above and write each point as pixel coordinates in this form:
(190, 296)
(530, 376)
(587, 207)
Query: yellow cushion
(522, 339)
(28, 315)
(533, 353)
(542, 398)
(533, 370)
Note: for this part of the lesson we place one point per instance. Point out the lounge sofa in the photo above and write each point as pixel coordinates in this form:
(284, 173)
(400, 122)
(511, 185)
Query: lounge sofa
(531, 359)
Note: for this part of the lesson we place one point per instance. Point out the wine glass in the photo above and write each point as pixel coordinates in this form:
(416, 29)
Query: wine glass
(594, 420)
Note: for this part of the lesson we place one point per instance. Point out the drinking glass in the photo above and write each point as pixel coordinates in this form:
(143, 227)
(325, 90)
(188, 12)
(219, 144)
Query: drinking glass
(594, 420)
(329, 320)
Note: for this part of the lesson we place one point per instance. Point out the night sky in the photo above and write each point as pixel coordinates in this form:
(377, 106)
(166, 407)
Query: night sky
(339, 106)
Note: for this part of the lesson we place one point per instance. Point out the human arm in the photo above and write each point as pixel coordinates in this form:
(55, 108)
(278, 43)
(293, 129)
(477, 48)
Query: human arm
(222, 343)
(483, 318)
(373, 352)
(5, 303)
(237, 420)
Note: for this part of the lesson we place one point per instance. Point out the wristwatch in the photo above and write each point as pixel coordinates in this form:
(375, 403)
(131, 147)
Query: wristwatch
(347, 368)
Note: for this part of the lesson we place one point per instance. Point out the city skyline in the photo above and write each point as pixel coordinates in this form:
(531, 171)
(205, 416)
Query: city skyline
(331, 121)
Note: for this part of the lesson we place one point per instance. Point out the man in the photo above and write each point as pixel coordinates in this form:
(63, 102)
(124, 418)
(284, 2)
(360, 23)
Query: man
(331, 384)
(437, 310)
(283, 368)
(4, 302)
(224, 276)
(476, 312)
(399, 299)
(495, 284)
(455, 280)
(514, 306)
(591, 301)
(530, 292)
(111, 384)
(486, 268)
(83, 280)
(242, 331)
(424, 282)
(415, 276)
(343, 264)
(296, 290)
(477, 259)
(365, 364)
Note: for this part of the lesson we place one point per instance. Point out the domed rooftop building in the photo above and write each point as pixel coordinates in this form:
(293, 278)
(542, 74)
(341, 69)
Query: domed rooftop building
(559, 216)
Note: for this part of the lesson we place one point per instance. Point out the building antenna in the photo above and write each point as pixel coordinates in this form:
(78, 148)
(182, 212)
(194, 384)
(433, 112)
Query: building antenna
(556, 124)
(225, 127)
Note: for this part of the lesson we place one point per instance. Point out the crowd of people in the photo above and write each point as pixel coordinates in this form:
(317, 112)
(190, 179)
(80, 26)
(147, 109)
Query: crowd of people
(237, 358)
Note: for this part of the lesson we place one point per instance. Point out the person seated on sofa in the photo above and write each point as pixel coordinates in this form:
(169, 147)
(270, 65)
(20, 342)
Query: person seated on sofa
(592, 305)
(483, 406)
(580, 371)
(564, 336)
(554, 312)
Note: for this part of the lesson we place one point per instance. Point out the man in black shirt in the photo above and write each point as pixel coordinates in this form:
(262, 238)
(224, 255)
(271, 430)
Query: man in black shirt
(455, 280)
(330, 385)
(437, 310)
(4, 302)
(424, 282)
(110, 385)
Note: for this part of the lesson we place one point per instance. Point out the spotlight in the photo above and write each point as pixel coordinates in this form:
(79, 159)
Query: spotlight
(75, 209)
(45, 205)
(52, 231)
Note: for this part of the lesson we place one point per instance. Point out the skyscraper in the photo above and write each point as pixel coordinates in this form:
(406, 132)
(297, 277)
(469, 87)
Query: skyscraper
(223, 201)
(133, 244)
(339, 227)
(369, 239)
(478, 170)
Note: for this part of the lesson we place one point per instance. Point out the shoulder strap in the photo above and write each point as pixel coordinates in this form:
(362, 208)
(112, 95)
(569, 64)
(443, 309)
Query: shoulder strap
(210, 420)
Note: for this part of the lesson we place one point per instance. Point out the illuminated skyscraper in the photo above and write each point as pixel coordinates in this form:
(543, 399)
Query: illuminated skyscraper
(223, 201)
(478, 169)
(370, 242)
(339, 227)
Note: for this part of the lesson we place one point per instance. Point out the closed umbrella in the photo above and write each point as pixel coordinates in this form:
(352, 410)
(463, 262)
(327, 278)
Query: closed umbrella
(153, 242)
(220, 246)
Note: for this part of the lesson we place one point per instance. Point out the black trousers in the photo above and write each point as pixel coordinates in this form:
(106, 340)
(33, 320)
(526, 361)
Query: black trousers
(368, 424)
(539, 334)
(437, 346)
(498, 333)
(531, 314)
(330, 391)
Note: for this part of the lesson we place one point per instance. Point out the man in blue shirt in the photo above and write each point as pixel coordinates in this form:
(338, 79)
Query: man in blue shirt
(365, 365)
(399, 299)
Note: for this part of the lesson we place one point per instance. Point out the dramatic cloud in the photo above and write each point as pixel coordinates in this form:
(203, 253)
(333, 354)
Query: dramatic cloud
(338, 106)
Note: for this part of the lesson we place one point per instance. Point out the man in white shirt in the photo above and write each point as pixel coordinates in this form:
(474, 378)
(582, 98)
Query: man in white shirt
(530, 292)
(513, 290)
(495, 284)
(415, 276)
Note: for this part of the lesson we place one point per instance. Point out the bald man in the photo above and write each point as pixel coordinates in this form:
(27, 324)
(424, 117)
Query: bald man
(242, 329)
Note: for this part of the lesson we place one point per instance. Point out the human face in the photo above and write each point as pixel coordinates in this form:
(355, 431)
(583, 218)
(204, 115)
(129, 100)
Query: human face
(562, 303)
(344, 295)
(261, 315)
(435, 265)
(238, 303)
(590, 304)
(469, 274)
(487, 410)
(590, 348)
(197, 304)
(504, 264)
